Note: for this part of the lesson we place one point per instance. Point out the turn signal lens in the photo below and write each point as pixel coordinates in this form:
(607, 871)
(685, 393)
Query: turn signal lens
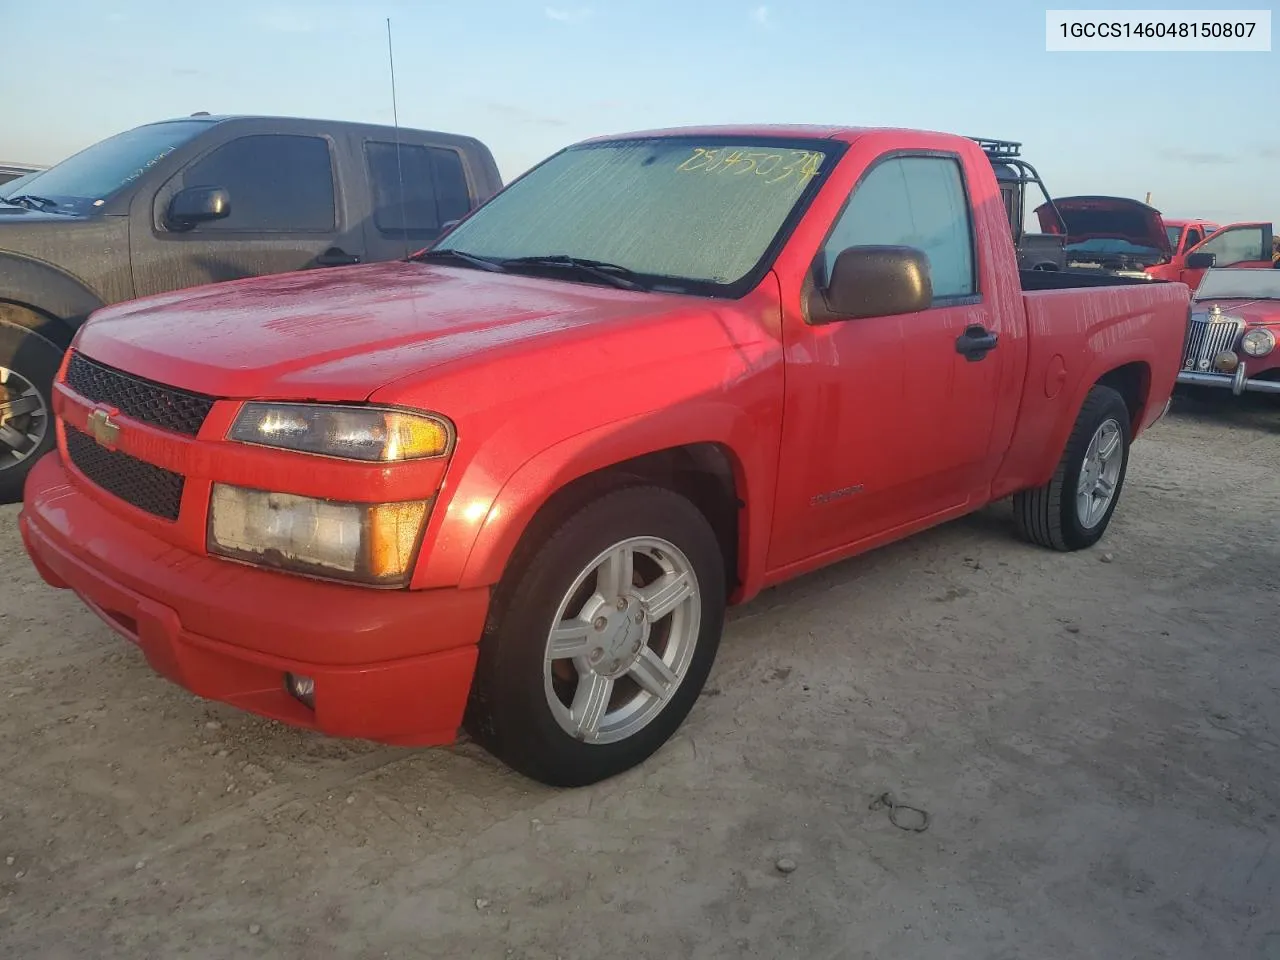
(393, 537)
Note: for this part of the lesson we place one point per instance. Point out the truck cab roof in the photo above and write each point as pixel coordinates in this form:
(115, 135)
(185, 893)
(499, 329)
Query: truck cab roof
(772, 131)
(319, 122)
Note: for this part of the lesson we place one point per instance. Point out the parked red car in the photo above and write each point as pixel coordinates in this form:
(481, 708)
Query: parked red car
(1235, 321)
(512, 482)
(1238, 245)
(1129, 238)
(1185, 234)
(1113, 234)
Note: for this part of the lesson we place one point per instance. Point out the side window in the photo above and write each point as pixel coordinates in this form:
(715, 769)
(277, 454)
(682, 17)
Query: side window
(917, 202)
(1193, 237)
(452, 193)
(435, 187)
(277, 182)
(1237, 246)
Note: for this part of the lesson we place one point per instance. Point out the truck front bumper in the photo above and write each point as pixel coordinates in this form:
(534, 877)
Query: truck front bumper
(1237, 383)
(393, 666)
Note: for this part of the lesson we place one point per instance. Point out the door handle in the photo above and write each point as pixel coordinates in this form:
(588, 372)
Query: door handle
(336, 257)
(976, 342)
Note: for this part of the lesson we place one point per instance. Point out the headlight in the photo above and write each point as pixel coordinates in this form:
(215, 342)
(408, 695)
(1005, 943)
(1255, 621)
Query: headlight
(1258, 343)
(352, 433)
(372, 543)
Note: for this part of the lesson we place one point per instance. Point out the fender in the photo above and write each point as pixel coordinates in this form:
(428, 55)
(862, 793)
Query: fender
(1077, 337)
(44, 288)
(1033, 459)
(752, 449)
(1142, 352)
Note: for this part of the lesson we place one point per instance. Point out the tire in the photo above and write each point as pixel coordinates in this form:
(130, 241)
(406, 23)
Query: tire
(520, 707)
(1051, 516)
(28, 364)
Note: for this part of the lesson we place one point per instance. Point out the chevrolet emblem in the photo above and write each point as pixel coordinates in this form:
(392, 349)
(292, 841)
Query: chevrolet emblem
(103, 429)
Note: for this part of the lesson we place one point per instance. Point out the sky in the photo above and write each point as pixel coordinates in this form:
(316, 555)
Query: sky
(1199, 131)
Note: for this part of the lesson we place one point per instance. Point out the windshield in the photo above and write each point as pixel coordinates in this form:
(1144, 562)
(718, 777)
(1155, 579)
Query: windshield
(97, 172)
(1245, 284)
(696, 215)
(1173, 233)
(14, 186)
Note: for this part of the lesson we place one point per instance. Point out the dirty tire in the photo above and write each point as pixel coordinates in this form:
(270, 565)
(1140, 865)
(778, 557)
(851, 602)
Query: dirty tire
(36, 360)
(508, 711)
(1047, 515)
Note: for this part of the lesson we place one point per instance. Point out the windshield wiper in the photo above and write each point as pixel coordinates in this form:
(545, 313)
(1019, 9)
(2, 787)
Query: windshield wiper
(458, 256)
(611, 273)
(31, 201)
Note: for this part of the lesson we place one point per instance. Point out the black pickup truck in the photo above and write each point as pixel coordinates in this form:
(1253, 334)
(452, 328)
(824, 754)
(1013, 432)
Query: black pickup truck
(1036, 251)
(197, 200)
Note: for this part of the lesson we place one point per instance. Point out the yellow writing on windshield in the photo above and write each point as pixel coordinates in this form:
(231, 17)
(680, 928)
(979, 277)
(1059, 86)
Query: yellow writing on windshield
(773, 166)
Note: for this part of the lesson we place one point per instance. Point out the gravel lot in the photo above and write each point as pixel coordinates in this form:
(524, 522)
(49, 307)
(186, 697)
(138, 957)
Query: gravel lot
(1096, 738)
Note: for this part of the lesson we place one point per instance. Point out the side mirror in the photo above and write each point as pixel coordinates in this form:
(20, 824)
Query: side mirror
(198, 205)
(1201, 261)
(873, 282)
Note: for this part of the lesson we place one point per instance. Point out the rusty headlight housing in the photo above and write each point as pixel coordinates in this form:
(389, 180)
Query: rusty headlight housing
(369, 543)
(1258, 342)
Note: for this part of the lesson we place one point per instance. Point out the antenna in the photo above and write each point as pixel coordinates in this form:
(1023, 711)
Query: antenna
(395, 119)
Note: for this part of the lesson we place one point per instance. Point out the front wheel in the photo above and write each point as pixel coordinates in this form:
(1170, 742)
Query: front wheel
(28, 364)
(1074, 509)
(601, 639)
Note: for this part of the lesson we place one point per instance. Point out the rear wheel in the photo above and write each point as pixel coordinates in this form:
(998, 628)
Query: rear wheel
(1074, 509)
(28, 364)
(601, 639)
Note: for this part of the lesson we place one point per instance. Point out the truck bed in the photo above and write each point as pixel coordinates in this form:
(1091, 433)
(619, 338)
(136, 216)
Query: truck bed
(1073, 337)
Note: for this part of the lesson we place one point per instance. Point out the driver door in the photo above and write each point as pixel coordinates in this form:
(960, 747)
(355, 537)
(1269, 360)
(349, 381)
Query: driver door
(886, 422)
(1238, 245)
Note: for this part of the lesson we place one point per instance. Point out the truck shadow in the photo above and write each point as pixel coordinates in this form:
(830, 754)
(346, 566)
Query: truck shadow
(1257, 412)
(937, 554)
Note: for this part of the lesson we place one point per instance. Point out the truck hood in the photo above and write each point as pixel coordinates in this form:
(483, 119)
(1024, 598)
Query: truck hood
(27, 231)
(341, 334)
(1108, 218)
(11, 216)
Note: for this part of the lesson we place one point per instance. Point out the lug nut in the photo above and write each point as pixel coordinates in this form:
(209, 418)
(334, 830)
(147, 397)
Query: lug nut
(621, 604)
(600, 623)
(639, 616)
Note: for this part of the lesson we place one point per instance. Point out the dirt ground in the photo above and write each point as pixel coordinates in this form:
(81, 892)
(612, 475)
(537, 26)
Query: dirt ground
(1095, 737)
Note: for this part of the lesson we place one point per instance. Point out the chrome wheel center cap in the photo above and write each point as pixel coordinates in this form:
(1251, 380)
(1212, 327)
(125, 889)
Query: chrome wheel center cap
(622, 640)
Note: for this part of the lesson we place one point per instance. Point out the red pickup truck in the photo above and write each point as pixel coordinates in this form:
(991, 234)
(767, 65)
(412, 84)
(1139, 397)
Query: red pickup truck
(1241, 246)
(1185, 234)
(510, 484)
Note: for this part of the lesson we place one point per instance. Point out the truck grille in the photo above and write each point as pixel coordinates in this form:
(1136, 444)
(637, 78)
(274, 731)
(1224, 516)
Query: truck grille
(1206, 338)
(166, 407)
(144, 485)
